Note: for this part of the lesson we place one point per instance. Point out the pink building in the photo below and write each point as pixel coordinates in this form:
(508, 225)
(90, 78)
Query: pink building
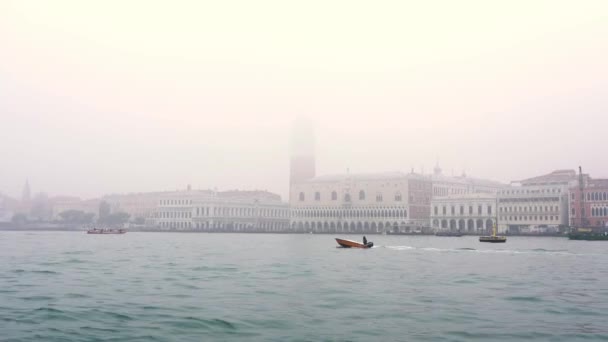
(591, 209)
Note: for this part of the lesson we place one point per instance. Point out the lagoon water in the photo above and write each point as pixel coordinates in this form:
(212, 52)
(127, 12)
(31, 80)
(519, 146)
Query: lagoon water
(69, 286)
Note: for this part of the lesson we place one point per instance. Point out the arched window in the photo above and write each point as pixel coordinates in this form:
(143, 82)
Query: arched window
(317, 196)
(398, 197)
(361, 195)
(301, 197)
(346, 197)
(379, 197)
(334, 196)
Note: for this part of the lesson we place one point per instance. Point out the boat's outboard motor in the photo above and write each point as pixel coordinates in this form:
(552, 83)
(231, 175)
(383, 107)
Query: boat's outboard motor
(369, 244)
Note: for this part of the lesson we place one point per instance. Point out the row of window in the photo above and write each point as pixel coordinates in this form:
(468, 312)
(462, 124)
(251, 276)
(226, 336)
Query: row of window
(354, 213)
(176, 202)
(461, 210)
(174, 214)
(530, 218)
(437, 191)
(175, 224)
(529, 199)
(347, 196)
(223, 225)
(225, 211)
(236, 212)
(526, 209)
(352, 226)
(598, 212)
(595, 196)
(461, 224)
(531, 191)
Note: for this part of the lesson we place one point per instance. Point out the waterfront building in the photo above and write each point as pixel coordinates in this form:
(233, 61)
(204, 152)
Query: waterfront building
(444, 185)
(394, 202)
(226, 211)
(361, 203)
(6, 214)
(536, 205)
(366, 203)
(592, 211)
(465, 213)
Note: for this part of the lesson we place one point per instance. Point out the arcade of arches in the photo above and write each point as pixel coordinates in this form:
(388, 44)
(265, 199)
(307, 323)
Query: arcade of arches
(354, 220)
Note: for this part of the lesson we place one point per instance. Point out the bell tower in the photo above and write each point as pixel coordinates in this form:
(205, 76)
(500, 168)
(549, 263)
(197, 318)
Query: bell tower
(302, 160)
(26, 193)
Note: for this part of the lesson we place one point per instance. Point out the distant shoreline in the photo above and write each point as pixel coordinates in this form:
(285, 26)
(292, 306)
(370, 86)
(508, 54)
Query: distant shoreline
(71, 229)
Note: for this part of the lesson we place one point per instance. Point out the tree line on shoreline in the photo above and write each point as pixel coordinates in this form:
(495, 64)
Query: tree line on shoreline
(74, 216)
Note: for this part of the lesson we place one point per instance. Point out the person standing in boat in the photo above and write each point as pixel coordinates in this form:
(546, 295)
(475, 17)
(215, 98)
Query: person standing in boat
(364, 240)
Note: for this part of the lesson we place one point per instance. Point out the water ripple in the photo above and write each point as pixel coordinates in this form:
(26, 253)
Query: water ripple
(178, 287)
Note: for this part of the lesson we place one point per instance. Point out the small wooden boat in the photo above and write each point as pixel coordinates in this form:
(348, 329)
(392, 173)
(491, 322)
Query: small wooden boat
(353, 244)
(106, 231)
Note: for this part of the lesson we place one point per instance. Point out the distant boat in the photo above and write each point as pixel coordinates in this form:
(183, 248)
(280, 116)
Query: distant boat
(353, 244)
(493, 238)
(588, 235)
(456, 234)
(106, 231)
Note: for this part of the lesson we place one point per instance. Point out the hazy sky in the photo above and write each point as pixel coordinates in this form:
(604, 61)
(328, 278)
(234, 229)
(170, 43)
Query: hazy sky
(124, 96)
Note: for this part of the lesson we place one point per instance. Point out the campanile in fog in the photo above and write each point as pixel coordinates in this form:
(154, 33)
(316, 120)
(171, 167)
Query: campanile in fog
(302, 162)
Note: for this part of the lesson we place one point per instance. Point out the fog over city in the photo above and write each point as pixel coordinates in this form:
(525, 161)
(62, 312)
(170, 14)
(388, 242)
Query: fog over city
(134, 96)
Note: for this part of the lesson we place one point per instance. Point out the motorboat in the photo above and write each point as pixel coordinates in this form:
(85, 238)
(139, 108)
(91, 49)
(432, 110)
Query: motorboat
(106, 231)
(353, 244)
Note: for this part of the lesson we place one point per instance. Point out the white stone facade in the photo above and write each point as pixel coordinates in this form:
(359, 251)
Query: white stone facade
(230, 211)
(460, 185)
(534, 208)
(466, 213)
(361, 203)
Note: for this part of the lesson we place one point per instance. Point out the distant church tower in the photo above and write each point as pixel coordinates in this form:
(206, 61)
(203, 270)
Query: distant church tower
(437, 169)
(26, 194)
(302, 162)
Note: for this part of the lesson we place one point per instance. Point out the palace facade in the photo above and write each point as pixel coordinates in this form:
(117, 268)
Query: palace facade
(226, 211)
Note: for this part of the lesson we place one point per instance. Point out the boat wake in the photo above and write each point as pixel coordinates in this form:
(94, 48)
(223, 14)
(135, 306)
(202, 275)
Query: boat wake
(538, 251)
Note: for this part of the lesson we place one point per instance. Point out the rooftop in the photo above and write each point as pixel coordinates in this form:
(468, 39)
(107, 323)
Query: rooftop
(555, 177)
(466, 196)
(357, 177)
